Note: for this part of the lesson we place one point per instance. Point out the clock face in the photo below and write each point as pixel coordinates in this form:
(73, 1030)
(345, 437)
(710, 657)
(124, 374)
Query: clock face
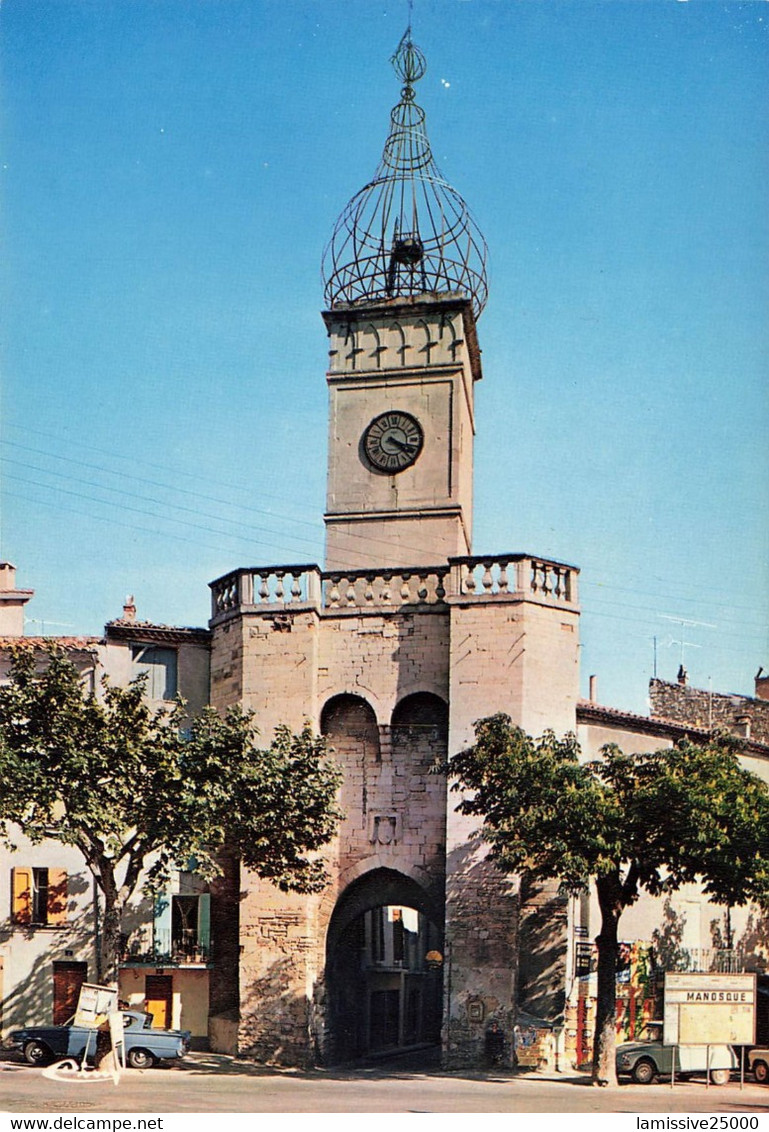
(393, 441)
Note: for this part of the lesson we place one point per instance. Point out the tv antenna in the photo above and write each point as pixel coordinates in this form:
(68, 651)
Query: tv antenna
(684, 623)
(42, 624)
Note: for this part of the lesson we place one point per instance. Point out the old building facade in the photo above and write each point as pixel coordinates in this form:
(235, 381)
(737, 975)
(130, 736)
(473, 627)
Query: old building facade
(51, 907)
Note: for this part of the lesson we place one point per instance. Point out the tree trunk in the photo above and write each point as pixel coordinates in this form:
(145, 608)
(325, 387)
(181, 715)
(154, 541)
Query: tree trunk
(110, 944)
(110, 967)
(605, 1040)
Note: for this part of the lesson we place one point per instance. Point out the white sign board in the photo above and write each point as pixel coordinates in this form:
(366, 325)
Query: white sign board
(709, 1008)
(94, 1005)
(117, 1035)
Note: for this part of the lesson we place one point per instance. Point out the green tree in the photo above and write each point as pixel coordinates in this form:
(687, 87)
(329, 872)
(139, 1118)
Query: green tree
(625, 822)
(137, 792)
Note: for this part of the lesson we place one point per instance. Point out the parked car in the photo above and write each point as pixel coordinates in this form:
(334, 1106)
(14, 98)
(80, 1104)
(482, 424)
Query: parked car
(758, 1064)
(643, 1061)
(143, 1044)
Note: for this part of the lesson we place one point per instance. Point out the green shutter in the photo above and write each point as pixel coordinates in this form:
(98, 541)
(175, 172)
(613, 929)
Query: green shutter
(204, 920)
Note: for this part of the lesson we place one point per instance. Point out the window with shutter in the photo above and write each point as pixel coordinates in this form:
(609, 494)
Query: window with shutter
(160, 667)
(21, 887)
(39, 896)
(57, 896)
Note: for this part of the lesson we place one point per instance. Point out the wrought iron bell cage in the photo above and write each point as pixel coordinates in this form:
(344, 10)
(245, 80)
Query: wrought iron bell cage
(407, 232)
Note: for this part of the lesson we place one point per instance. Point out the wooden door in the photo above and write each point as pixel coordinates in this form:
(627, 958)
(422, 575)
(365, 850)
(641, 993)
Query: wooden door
(158, 990)
(68, 978)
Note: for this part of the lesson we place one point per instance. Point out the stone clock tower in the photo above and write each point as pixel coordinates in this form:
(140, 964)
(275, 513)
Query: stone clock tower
(405, 281)
(392, 651)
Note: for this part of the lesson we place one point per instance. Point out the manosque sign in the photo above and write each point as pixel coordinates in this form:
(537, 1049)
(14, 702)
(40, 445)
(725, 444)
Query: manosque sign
(705, 1008)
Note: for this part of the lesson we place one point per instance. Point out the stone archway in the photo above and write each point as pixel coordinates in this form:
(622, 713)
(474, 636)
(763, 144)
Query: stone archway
(350, 723)
(383, 967)
(422, 709)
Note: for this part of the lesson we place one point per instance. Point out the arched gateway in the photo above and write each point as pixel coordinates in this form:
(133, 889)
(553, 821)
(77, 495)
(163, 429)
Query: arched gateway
(384, 953)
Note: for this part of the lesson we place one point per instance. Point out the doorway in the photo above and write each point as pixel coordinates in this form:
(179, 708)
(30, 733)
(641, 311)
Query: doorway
(158, 995)
(68, 978)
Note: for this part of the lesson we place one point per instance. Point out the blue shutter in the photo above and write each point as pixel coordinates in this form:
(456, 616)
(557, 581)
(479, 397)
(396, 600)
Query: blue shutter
(162, 925)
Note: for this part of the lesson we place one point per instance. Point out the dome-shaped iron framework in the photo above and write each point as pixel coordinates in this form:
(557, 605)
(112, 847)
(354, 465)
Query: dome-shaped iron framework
(407, 232)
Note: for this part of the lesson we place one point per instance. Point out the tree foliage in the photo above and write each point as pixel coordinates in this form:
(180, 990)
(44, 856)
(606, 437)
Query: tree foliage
(137, 792)
(625, 822)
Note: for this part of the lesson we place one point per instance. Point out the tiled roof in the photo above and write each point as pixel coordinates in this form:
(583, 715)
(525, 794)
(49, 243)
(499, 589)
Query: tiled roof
(124, 629)
(69, 644)
(589, 712)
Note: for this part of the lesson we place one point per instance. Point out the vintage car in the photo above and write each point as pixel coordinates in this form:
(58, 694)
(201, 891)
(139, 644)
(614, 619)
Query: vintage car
(758, 1064)
(644, 1061)
(143, 1044)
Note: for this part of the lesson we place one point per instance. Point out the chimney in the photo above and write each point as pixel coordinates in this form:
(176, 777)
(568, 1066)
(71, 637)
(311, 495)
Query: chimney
(762, 685)
(683, 676)
(742, 726)
(593, 689)
(12, 602)
(129, 608)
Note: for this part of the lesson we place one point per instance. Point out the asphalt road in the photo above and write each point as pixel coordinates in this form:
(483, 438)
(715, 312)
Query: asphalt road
(212, 1083)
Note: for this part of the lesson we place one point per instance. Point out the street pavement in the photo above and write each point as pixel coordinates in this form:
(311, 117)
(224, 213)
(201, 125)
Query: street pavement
(214, 1083)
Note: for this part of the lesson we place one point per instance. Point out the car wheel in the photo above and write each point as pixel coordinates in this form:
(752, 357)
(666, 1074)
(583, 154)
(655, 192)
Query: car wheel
(720, 1076)
(761, 1072)
(36, 1053)
(140, 1059)
(644, 1071)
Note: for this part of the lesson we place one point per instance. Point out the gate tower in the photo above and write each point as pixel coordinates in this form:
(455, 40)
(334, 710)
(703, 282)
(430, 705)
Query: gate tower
(393, 651)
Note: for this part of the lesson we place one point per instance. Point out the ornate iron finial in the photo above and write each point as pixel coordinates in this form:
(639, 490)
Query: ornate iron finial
(407, 232)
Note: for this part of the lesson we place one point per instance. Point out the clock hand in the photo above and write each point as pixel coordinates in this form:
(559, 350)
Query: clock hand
(404, 447)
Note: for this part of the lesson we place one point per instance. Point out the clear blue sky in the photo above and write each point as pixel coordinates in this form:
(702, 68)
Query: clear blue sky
(172, 170)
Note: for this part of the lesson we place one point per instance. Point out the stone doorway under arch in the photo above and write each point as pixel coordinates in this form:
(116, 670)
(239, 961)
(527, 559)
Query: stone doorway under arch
(384, 973)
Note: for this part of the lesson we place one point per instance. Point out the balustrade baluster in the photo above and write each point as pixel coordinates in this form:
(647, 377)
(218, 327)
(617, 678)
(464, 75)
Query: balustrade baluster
(296, 586)
(502, 580)
(487, 581)
(279, 591)
(334, 596)
(422, 589)
(405, 588)
(350, 594)
(386, 594)
(368, 593)
(558, 575)
(264, 589)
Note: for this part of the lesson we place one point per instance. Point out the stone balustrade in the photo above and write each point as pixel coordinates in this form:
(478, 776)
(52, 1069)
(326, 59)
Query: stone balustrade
(367, 589)
(519, 575)
(493, 578)
(277, 586)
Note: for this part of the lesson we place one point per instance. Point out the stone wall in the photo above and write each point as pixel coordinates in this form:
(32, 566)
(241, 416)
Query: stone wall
(396, 688)
(697, 707)
(347, 674)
